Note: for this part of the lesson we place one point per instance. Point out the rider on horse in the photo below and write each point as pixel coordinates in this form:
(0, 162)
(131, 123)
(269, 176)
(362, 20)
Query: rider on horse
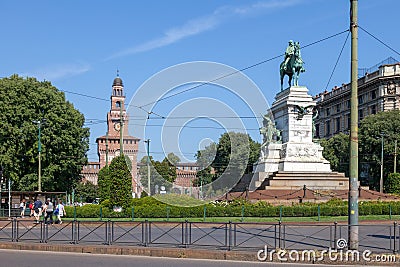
(289, 53)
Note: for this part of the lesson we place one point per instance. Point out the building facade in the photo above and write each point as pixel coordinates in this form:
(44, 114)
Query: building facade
(377, 91)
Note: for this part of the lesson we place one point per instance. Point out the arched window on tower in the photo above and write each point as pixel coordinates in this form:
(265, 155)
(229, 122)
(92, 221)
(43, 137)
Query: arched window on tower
(117, 104)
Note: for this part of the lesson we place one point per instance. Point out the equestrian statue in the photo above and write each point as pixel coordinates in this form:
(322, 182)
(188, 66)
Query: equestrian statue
(292, 65)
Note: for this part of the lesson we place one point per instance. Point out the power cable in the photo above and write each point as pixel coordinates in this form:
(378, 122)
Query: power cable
(240, 70)
(376, 38)
(337, 61)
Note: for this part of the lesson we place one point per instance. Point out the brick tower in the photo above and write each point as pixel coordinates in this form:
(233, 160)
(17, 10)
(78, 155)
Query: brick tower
(108, 146)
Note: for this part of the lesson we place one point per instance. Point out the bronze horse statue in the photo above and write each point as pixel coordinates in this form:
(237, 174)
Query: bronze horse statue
(293, 67)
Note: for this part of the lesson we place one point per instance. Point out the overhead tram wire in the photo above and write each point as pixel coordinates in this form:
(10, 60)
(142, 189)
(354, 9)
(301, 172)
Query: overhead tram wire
(219, 78)
(337, 61)
(376, 38)
(240, 70)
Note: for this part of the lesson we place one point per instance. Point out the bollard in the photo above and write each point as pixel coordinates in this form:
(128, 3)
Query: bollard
(133, 214)
(101, 213)
(204, 213)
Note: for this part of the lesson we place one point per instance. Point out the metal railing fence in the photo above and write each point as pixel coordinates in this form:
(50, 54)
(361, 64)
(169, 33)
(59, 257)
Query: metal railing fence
(224, 235)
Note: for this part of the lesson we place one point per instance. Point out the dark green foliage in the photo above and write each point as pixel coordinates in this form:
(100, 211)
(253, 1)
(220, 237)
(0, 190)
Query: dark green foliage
(392, 183)
(149, 207)
(337, 151)
(161, 173)
(370, 142)
(64, 139)
(86, 192)
(121, 182)
(233, 156)
(104, 183)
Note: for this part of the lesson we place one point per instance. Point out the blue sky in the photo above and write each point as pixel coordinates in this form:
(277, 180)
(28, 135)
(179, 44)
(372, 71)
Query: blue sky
(79, 45)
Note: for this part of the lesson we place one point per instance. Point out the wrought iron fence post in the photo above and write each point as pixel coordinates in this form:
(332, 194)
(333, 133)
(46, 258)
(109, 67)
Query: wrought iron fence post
(234, 234)
(334, 234)
(14, 231)
(75, 231)
(143, 233)
(395, 237)
(147, 230)
(230, 236)
(280, 234)
(45, 232)
(186, 233)
(226, 235)
(109, 232)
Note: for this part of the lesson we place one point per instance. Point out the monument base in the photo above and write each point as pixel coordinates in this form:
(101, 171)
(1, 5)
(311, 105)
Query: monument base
(298, 162)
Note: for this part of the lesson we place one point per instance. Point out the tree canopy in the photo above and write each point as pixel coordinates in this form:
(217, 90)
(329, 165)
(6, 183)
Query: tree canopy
(121, 181)
(64, 140)
(233, 156)
(371, 130)
(161, 173)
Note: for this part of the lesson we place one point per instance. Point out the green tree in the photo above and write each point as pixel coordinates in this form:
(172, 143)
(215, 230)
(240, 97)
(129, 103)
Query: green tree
(370, 142)
(336, 151)
(161, 173)
(233, 156)
(121, 182)
(104, 183)
(172, 158)
(392, 183)
(86, 192)
(64, 140)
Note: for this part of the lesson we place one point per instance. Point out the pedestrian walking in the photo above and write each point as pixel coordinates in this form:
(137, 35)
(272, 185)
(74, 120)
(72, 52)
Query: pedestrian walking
(59, 212)
(32, 210)
(22, 207)
(48, 211)
(37, 207)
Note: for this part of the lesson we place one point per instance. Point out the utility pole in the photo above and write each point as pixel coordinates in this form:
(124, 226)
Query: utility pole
(148, 165)
(39, 123)
(395, 157)
(9, 197)
(381, 179)
(353, 182)
(121, 130)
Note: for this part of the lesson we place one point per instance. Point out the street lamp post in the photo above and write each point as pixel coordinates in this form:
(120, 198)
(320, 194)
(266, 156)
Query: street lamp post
(148, 165)
(39, 123)
(381, 179)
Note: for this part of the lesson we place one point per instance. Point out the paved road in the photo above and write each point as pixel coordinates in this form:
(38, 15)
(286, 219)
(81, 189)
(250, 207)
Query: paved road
(21, 258)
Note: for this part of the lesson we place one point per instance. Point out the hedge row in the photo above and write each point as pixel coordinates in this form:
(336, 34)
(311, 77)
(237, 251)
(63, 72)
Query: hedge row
(161, 210)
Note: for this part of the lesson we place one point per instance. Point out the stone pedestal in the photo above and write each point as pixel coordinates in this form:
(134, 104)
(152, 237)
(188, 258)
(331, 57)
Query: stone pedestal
(300, 161)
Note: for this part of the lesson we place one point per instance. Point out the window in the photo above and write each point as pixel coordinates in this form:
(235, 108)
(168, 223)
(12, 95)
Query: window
(373, 109)
(348, 104)
(328, 111)
(373, 95)
(360, 114)
(328, 128)
(338, 107)
(360, 99)
(117, 104)
(337, 124)
(348, 121)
